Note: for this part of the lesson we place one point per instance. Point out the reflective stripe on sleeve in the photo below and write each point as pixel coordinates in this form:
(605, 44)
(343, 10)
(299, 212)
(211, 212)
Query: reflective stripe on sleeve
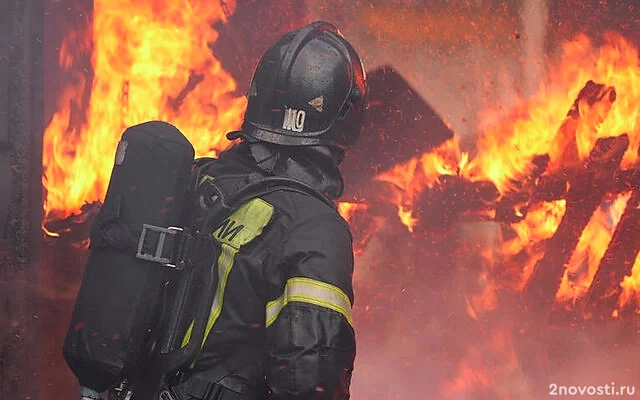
(306, 290)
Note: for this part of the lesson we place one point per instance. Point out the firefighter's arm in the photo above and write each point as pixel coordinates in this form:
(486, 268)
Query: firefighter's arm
(310, 334)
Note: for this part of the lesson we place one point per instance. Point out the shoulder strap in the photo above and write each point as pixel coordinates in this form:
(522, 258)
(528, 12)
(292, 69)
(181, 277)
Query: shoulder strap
(257, 184)
(221, 204)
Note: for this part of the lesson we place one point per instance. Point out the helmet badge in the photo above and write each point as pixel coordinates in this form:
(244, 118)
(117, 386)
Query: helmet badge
(294, 119)
(317, 103)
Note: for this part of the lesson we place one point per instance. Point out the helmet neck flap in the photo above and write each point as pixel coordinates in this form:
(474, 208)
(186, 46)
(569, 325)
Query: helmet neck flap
(314, 165)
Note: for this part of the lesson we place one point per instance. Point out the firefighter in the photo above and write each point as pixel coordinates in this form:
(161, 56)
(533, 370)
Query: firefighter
(280, 326)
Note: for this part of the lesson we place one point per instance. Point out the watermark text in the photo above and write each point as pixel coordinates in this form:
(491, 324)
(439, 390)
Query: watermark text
(589, 390)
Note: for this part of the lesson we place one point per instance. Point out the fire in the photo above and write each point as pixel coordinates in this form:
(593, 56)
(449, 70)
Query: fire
(347, 209)
(151, 60)
(412, 177)
(526, 247)
(631, 288)
(591, 248)
(542, 126)
(539, 224)
(616, 65)
(490, 370)
(555, 125)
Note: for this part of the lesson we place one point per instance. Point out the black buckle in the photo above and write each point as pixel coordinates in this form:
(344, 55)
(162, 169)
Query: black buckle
(159, 246)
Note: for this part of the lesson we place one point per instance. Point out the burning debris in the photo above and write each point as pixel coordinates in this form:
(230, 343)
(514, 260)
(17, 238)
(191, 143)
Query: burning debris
(573, 172)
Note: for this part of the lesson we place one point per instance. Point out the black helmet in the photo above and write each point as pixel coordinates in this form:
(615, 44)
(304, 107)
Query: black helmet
(308, 89)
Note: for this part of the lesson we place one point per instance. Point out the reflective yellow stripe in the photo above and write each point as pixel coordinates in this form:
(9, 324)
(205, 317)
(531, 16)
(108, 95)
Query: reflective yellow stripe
(225, 263)
(246, 223)
(310, 291)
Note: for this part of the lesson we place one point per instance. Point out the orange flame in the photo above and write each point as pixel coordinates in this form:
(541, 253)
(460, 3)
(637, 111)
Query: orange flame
(505, 150)
(526, 246)
(347, 209)
(615, 64)
(541, 126)
(412, 177)
(591, 247)
(491, 367)
(151, 60)
(631, 288)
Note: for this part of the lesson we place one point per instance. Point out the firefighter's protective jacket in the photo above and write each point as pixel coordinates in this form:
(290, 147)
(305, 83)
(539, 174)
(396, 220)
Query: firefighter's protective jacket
(280, 326)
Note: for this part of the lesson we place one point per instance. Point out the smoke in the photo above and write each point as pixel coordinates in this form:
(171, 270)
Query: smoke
(534, 21)
(418, 336)
(462, 57)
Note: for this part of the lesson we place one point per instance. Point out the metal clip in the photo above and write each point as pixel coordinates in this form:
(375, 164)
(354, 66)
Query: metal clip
(157, 256)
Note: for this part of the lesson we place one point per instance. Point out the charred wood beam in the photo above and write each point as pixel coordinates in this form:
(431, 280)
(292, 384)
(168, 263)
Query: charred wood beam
(478, 200)
(582, 200)
(439, 208)
(556, 186)
(564, 142)
(505, 208)
(617, 261)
